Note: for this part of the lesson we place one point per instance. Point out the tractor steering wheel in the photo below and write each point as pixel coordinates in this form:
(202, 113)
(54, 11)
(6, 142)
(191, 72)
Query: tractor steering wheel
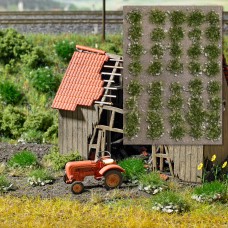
(99, 154)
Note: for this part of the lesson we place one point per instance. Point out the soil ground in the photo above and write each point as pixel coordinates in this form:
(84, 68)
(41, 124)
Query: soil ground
(93, 188)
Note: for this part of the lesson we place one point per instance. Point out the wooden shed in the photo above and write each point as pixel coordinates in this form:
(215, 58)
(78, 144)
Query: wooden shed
(90, 100)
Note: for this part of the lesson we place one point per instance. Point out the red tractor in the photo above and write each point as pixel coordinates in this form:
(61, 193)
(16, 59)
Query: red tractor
(103, 166)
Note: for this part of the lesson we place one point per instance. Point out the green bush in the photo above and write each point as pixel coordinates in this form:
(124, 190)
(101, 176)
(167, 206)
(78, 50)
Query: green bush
(169, 202)
(4, 183)
(134, 168)
(12, 45)
(39, 121)
(37, 58)
(58, 161)
(132, 123)
(209, 192)
(40, 177)
(32, 136)
(51, 134)
(65, 49)
(12, 122)
(23, 159)
(9, 93)
(43, 80)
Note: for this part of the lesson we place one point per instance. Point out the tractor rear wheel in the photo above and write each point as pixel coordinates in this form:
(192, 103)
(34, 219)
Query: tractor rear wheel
(113, 179)
(77, 187)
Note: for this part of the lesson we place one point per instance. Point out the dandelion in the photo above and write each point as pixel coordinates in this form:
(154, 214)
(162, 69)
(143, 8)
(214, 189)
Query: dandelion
(213, 158)
(224, 164)
(200, 166)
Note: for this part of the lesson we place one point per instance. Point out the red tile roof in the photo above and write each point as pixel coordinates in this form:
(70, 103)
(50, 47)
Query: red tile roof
(82, 83)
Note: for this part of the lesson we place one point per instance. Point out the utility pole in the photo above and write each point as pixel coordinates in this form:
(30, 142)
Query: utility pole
(103, 21)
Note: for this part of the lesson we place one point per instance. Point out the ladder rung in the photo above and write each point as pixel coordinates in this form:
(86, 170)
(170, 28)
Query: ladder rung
(108, 66)
(117, 74)
(111, 88)
(103, 103)
(109, 81)
(110, 96)
(116, 60)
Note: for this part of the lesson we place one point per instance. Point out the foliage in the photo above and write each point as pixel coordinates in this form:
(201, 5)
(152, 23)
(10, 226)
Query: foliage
(44, 80)
(152, 183)
(195, 68)
(212, 51)
(135, 32)
(209, 192)
(212, 17)
(58, 161)
(134, 168)
(40, 177)
(51, 134)
(211, 68)
(131, 103)
(132, 123)
(135, 50)
(4, 183)
(176, 34)
(134, 17)
(135, 68)
(10, 93)
(157, 35)
(157, 51)
(36, 58)
(195, 18)
(195, 34)
(195, 87)
(169, 202)
(65, 49)
(155, 68)
(177, 17)
(134, 88)
(175, 102)
(175, 66)
(213, 87)
(32, 136)
(23, 159)
(194, 51)
(157, 17)
(176, 50)
(13, 119)
(212, 33)
(155, 91)
(12, 45)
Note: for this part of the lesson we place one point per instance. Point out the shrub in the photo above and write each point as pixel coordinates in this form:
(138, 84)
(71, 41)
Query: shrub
(169, 202)
(176, 34)
(32, 136)
(132, 123)
(194, 51)
(157, 35)
(43, 80)
(134, 168)
(40, 177)
(65, 49)
(134, 88)
(155, 68)
(213, 87)
(37, 58)
(135, 68)
(195, 34)
(195, 18)
(58, 161)
(134, 17)
(213, 33)
(39, 121)
(212, 17)
(12, 122)
(12, 45)
(135, 50)
(209, 192)
(156, 125)
(23, 159)
(211, 68)
(152, 183)
(175, 67)
(157, 51)
(135, 32)
(195, 68)
(177, 17)
(9, 93)
(4, 183)
(51, 134)
(157, 17)
(212, 51)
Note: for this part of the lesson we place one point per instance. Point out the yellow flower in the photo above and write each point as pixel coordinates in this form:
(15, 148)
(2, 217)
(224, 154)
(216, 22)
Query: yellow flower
(224, 164)
(213, 158)
(200, 166)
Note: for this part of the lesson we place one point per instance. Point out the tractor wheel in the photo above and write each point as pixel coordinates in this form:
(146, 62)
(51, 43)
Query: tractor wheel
(113, 179)
(65, 178)
(77, 187)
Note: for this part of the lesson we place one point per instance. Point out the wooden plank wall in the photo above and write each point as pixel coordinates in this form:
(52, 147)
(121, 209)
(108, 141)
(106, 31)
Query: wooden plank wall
(220, 151)
(75, 128)
(186, 160)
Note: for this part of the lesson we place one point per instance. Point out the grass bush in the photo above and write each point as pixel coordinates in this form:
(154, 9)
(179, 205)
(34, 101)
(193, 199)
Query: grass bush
(177, 17)
(175, 66)
(40, 177)
(195, 18)
(32, 136)
(211, 68)
(212, 18)
(152, 183)
(132, 123)
(134, 88)
(4, 183)
(131, 103)
(134, 168)
(23, 159)
(195, 34)
(212, 33)
(176, 34)
(212, 191)
(195, 68)
(212, 51)
(135, 68)
(213, 87)
(10, 93)
(155, 68)
(176, 50)
(12, 122)
(157, 35)
(194, 51)
(43, 80)
(169, 202)
(157, 17)
(157, 51)
(65, 49)
(51, 135)
(135, 32)
(134, 17)
(58, 161)
(155, 125)
(135, 50)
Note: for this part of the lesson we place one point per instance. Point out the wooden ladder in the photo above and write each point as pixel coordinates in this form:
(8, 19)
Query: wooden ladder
(162, 154)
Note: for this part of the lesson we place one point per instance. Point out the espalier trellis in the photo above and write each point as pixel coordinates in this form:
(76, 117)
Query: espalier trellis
(172, 75)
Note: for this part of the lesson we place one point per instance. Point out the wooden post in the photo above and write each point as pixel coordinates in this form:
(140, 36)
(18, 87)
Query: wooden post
(103, 21)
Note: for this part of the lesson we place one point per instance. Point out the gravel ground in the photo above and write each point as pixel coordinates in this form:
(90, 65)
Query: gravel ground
(93, 188)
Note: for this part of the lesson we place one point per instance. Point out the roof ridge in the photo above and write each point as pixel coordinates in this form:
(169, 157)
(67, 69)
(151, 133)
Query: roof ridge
(89, 49)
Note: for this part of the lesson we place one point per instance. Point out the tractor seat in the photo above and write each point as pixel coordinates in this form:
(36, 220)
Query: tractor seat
(108, 161)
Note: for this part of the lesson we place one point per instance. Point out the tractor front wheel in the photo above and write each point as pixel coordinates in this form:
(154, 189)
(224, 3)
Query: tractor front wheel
(113, 179)
(77, 187)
